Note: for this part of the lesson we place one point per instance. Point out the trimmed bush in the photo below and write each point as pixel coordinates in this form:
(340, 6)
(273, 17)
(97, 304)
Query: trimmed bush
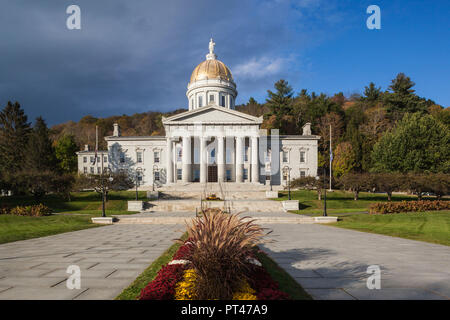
(408, 206)
(31, 211)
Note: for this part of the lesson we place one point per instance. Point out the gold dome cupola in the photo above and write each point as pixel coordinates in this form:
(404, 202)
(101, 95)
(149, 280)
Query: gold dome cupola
(211, 82)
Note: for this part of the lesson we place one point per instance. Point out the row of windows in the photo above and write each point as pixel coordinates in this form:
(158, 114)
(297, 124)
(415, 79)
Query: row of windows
(92, 170)
(139, 157)
(211, 100)
(286, 156)
(92, 158)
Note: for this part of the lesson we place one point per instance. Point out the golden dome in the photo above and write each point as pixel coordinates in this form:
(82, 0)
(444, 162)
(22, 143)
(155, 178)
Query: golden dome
(211, 69)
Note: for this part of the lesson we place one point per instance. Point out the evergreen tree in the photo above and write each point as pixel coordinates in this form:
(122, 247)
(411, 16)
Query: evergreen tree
(65, 150)
(40, 154)
(402, 98)
(280, 102)
(14, 131)
(372, 93)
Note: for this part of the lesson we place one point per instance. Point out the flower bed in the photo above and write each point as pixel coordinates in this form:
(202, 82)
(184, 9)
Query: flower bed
(408, 206)
(176, 280)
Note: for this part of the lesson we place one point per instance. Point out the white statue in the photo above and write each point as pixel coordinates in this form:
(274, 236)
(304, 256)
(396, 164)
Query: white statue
(212, 44)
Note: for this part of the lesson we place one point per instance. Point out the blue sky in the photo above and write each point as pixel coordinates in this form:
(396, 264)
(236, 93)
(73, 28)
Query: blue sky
(137, 56)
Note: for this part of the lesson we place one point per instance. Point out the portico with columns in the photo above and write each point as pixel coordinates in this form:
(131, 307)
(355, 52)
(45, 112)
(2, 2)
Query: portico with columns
(212, 144)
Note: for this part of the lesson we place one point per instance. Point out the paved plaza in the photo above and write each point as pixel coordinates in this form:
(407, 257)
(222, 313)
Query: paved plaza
(110, 259)
(331, 263)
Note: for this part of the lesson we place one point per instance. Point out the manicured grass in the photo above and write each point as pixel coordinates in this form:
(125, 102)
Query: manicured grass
(338, 201)
(134, 290)
(14, 228)
(430, 226)
(285, 281)
(81, 202)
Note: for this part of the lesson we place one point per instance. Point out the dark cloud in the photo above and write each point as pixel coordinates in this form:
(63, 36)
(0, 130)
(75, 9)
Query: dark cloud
(136, 56)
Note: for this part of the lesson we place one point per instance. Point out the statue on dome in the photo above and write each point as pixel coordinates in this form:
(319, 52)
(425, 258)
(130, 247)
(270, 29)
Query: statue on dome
(212, 44)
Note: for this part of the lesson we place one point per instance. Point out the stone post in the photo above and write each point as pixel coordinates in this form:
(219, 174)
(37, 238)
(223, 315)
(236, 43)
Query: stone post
(186, 159)
(239, 159)
(255, 162)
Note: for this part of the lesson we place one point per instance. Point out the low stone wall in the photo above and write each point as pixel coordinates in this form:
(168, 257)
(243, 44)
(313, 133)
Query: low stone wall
(135, 205)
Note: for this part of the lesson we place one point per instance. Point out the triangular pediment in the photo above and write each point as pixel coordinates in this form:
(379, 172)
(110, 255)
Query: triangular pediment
(212, 114)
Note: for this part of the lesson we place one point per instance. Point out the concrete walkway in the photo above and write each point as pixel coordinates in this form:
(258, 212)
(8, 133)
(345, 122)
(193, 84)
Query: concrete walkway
(110, 258)
(331, 263)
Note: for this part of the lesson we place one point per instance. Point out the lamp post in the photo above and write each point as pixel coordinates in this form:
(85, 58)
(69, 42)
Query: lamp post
(287, 173)
(136, 180)
(155, 168)
(325, 193)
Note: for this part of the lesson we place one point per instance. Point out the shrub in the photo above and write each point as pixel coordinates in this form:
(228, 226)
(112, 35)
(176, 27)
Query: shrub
(221, 244)
(31, 211)
(407, 206)
(4, 209)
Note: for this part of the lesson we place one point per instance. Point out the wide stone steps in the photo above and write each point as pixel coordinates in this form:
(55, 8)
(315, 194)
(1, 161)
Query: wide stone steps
(183, 218)
(236, 205)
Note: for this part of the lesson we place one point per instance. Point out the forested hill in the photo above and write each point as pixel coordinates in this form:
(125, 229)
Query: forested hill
(358, 121)
(138, 124)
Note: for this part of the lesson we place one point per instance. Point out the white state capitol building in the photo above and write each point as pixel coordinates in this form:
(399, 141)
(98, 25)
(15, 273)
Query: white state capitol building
(212, 142)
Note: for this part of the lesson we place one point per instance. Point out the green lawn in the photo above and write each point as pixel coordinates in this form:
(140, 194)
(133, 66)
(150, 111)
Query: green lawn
(70, 215)
(81, 202)
(337, 201)
(430, 226)
(14, 228)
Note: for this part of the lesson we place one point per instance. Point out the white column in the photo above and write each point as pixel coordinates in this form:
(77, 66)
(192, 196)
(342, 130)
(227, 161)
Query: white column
(186, 174)
(239, 159)
(221, 159)
(203, 160)
(169, 156)
(255, 162)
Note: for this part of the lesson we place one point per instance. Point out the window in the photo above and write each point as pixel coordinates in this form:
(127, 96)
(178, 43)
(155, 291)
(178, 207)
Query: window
(156, 156)
(246, 154)
(99, 170)
(285, 156)
(179, 174)
(228, 175)
(92, 170)
(92, 159)
(139, 157)
(302, 174)
(84, 170)
(156, 175)
(85, 159)
(105, 159)
(139, 177)
(200, 101)
(302, 156)
(211, 98)
(98, 159)
(179, 154)
(122, 157)
(223, 101)
(212, 156)
(245, 174)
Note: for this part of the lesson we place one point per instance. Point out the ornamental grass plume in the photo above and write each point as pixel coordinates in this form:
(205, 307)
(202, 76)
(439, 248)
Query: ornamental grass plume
(220, 246)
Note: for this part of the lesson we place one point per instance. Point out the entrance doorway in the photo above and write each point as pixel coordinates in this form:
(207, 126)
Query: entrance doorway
(212, 173)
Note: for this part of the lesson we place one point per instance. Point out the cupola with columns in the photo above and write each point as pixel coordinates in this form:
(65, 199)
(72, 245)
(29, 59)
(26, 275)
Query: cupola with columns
(211, 83)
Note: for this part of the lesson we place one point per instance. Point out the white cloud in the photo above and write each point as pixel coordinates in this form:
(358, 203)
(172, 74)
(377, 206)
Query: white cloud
(259, 68)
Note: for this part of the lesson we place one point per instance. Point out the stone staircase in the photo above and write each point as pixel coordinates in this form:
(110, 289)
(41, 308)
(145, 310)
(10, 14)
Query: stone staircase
(236, 197)
(184, 217)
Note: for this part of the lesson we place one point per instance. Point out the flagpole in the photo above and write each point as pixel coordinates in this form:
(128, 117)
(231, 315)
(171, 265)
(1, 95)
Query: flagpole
(331, 157)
